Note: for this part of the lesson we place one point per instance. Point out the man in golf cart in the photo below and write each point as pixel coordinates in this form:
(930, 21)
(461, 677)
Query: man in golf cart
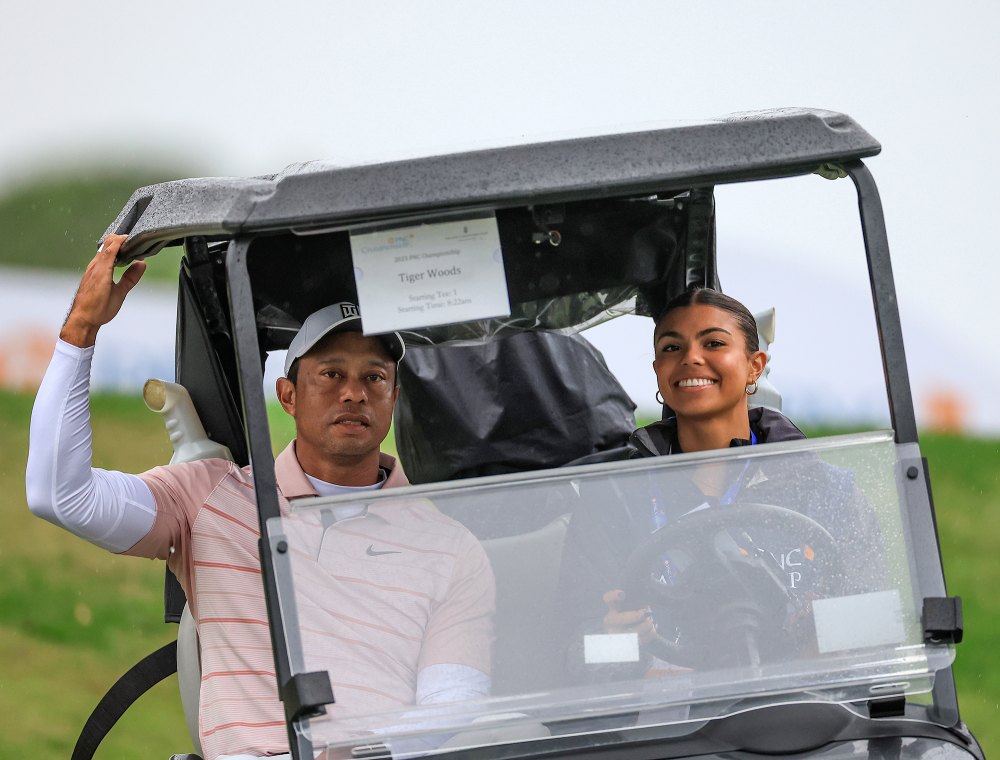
(431, 640)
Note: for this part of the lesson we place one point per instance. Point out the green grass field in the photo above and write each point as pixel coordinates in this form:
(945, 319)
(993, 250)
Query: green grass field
(73, 617)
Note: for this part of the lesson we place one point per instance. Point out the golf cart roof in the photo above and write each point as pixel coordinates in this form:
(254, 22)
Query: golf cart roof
(318, 194)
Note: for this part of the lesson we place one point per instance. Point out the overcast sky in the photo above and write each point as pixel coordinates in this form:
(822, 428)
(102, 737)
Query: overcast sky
(246, 88)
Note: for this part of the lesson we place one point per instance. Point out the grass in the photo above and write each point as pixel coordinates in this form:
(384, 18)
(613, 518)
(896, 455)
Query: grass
(73, 618)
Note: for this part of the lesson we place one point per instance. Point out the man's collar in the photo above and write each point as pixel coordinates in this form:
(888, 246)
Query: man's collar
(293, 483)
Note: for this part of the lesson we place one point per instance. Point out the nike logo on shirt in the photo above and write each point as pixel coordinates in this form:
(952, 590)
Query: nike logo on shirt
(372, 552)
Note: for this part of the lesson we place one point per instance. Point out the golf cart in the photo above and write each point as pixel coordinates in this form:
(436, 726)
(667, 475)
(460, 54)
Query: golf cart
(816, 623)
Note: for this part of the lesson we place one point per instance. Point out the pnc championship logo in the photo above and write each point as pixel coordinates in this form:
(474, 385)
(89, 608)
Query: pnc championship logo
(789, 561)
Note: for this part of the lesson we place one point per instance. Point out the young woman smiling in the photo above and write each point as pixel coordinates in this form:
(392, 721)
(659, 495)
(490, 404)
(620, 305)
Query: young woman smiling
(707, 363)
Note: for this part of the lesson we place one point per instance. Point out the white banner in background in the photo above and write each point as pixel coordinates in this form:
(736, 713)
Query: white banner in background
(137, 345)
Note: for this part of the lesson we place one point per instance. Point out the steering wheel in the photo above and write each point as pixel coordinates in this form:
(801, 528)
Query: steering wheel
(722, 598)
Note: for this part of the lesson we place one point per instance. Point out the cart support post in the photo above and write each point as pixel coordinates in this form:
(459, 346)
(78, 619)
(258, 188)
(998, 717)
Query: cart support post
(251, 375)
(897, 378)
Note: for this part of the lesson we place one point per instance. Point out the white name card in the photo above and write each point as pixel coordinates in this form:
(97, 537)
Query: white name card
(429, 274)
(603, 648)
(859, 621)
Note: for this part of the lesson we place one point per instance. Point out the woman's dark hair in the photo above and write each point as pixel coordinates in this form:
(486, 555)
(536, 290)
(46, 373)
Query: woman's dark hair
(710, 297)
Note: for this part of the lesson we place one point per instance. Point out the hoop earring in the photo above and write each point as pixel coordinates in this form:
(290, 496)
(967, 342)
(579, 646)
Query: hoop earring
(659, 398)
(751, 392)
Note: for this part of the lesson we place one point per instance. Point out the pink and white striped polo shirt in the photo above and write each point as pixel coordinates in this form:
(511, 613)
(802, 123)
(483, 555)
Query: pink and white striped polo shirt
(423, 595)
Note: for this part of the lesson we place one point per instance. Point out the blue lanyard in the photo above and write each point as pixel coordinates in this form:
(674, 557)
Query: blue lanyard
(730, 495)
(659, 515)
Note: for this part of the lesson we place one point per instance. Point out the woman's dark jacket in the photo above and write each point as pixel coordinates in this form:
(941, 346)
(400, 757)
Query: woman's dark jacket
(660, 438)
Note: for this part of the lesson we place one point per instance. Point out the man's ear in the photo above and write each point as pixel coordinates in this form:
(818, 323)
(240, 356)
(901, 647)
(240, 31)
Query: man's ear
(285, 389)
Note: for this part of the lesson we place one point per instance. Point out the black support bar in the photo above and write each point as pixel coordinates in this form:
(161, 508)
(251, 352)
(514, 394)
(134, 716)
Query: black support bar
(699, 254)
(251, 374)
(897, 378)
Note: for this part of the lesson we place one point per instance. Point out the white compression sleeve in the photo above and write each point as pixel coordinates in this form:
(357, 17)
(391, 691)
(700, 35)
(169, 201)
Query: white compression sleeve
(110, 509)
(450, 683)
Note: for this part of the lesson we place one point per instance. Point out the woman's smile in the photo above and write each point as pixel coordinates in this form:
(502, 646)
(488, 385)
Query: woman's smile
(695, 382)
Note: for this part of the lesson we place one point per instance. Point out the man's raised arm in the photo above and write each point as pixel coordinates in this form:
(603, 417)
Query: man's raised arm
(110, 509)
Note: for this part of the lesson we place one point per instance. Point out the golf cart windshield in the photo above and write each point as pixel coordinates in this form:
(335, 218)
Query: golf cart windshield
(812, 595)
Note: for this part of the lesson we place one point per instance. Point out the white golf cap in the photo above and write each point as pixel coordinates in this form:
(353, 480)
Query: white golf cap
(336, 318)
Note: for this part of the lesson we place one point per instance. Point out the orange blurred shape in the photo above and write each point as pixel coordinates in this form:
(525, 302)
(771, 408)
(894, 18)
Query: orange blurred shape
(24, 355)
(945, 411)
(808, 552)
